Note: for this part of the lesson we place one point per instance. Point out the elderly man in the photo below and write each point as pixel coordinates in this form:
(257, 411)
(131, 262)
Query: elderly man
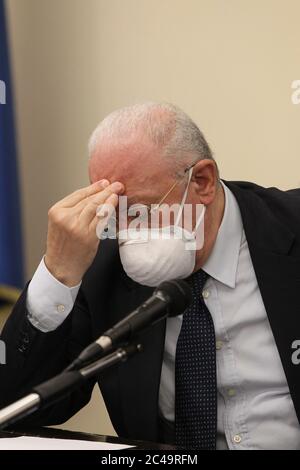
(221, 375)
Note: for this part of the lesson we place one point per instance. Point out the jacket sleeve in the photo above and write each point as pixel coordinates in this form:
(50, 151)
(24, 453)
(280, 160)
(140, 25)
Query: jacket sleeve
(33, 357)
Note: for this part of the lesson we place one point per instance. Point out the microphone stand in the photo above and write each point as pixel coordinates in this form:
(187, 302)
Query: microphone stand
(61, 385)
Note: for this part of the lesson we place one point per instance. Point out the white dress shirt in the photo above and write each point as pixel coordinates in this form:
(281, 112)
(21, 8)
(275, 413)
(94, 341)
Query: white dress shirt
(255, 409)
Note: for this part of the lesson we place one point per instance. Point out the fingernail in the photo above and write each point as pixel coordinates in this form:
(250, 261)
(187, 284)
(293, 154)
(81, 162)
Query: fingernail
(117, 186)
(104, 183)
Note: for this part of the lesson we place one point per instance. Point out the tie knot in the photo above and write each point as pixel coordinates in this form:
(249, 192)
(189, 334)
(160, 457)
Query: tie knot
(198, 280)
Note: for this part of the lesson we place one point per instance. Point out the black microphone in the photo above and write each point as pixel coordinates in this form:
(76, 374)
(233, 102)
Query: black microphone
(169, 299)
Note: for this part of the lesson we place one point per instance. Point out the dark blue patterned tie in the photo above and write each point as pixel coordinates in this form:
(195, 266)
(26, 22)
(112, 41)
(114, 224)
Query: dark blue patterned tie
(195, 374)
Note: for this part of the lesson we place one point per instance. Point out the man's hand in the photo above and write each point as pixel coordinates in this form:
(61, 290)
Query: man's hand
(72, 242)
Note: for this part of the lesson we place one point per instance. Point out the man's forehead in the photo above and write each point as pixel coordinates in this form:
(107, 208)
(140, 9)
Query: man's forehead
(122, 160)
(133, 176)
(145, 190)
(145, 177)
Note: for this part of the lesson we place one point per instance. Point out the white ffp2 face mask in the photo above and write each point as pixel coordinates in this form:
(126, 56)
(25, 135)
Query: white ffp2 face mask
(151, 256)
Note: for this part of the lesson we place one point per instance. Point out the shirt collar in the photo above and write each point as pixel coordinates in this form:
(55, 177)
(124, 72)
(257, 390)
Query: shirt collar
(222, 263)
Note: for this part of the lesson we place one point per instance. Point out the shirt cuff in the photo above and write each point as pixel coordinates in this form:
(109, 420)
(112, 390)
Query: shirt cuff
(49, 302)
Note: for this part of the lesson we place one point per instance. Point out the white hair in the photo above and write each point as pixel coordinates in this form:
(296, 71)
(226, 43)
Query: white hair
(166, 125)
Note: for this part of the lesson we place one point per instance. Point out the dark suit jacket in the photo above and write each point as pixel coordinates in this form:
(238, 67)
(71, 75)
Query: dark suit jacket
(272, 225)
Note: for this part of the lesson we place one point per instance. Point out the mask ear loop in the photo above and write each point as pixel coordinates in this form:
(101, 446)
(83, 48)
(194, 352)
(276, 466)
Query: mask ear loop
(201, 217)
(184, 197)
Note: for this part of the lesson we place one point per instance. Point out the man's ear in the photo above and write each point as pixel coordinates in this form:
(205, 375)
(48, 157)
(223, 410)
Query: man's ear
(206, 180)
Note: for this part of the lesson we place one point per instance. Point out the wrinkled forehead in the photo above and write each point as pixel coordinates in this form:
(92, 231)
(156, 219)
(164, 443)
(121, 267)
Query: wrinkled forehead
(145, 174)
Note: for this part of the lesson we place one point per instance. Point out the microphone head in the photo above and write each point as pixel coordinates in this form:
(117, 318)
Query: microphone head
(179, 295)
